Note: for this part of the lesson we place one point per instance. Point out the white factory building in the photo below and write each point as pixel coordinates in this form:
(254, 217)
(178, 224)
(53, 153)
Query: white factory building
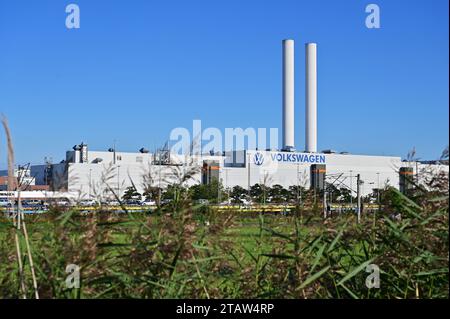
(292, 168)
(98, 174)
(101, 173)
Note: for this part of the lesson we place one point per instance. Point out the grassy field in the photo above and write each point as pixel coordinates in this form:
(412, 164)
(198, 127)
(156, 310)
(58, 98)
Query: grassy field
(196, 252)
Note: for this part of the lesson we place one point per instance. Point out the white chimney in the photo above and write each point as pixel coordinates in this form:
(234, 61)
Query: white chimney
(311, 98)
(288, 95)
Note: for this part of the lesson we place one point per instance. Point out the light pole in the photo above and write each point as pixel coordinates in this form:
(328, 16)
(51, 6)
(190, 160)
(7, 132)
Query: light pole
(371, 183)
(359, 183)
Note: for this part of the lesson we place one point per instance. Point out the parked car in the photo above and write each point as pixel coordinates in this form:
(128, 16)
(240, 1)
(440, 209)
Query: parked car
(110, 203)
(4, 202)
(133, 202)
(60, 202)
(149, 203)
(30, 203)
(88, 202)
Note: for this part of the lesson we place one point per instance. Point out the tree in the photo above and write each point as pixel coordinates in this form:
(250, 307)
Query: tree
(211, 191)
(197, 192)
(174, 192)
(131, 193)
(258, 193)
(278, 194)
(238, 194)
(152, 193)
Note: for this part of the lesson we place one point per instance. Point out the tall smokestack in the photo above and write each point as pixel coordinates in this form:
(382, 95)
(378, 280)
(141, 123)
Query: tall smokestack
(311, 98)
(288, 95)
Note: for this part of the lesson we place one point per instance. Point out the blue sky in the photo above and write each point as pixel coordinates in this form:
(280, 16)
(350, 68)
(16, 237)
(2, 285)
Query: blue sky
(137, 69)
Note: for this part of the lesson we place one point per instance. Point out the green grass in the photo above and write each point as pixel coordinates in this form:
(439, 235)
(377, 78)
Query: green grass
(193, 254)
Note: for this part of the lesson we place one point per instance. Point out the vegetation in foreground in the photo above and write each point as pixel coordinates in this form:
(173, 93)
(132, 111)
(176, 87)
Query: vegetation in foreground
(188, 251)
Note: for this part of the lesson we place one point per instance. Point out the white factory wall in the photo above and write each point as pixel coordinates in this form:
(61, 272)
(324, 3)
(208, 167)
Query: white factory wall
(99, 180)
(424, 173)
(96, 180)
(91, 179)
(373, 170)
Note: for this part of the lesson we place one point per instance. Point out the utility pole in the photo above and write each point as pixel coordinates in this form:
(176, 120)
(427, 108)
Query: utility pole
(324, 204)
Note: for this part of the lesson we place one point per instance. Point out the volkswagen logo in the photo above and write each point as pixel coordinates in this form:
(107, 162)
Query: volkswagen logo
(258, 158)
